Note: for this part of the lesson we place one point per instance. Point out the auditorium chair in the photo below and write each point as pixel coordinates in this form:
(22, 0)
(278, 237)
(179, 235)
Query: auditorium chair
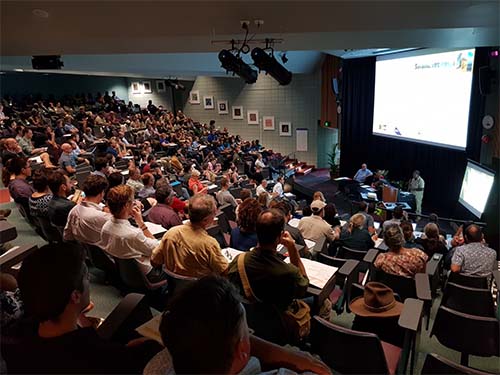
(235, 192)
(229, 211)
(216, 232)
(105, 263)
(81, 177)
(176, 282)
(354, 352)
(435, 364)
(473, 301)
(14, 256)
(348, 253)
(50, 232)
(470, 281)
(467, 334)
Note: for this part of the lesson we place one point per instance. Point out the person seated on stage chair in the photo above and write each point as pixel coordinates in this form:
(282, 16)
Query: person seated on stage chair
(399, 260)
(398, 215)
(362, 174)
(410, 241)
(57, 337)
(474, 258)
(218, 341)
(314, 227)
(432, 241)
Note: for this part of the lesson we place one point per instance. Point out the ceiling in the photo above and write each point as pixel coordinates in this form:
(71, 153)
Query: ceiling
(174, 38)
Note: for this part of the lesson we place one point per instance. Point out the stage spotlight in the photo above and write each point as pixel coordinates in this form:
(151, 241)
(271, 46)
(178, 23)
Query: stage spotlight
(284, 58)
(235, 64)
(271, 66)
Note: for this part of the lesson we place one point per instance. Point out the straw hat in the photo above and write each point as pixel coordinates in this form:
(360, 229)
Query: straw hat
(377, 301)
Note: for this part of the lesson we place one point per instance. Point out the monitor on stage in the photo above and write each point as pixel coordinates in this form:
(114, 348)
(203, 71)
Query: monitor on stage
(476, 188)
(424, 97)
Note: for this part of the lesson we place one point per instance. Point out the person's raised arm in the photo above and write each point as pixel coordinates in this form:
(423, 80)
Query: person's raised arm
(140, 222)
(293, 253)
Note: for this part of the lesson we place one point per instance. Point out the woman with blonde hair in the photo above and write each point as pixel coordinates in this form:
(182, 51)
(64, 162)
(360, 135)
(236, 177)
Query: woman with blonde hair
(318, 195)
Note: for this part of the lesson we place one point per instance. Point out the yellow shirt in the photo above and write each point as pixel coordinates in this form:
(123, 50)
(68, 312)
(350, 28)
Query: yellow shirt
(190, 251)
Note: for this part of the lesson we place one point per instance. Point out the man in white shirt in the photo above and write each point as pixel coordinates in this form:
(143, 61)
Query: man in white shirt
(417, 186)
(122, 240)
(259, 162)
(278, 188)
(262, 188)
(85, 220)
(314, 227)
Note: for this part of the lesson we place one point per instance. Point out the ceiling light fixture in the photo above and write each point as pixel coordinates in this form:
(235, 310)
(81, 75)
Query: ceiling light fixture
(235, 64)
(266, 62)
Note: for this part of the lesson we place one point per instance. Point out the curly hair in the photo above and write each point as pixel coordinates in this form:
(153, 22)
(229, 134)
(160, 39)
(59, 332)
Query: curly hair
(248, 212)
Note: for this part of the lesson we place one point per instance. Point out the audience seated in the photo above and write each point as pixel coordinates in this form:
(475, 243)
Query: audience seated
(244, 236)
(134, 180)
(29, 150)
(148, 190)
(195, 184)
(314, 227)
(86, 220)
(355, 236)
(163, 213)
(54, 285)
(474, 258)
(397, 216)
(224, 196)
(272, 281)
(432, 241)
(59, 205)
(331, 215)
(369, 224)
(286, 208)
(122, 240)
(188, 249)
(219, 341)
(399, 260)
(410, 242)
(18, 170)
(39, 200)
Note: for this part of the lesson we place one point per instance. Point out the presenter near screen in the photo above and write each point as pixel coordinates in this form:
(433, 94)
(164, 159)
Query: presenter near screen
(362, 173)
(416, 186)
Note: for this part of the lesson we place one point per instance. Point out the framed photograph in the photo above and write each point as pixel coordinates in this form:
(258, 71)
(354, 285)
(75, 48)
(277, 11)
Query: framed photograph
(194, 97)
(237, 113)
(253, 117)
(136, 88)
(268, 122)
(222, 107)
(285, 129)
(208, 102)
(146, 87)
(160, 86)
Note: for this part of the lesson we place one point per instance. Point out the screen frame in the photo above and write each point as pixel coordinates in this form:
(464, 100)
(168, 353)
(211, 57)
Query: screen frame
(487, 170)
(415, 53)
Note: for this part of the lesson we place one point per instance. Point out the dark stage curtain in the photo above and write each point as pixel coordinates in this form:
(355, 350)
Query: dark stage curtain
(441, 168)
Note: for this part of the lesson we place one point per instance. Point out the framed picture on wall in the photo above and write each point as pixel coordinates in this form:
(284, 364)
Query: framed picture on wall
(160, 86)
(253, 117)
(268, 122)
(208, 102)
(285, 129)
(222, 107)
(146, 87)
(136, 88)
(238, 113)
(194, 97)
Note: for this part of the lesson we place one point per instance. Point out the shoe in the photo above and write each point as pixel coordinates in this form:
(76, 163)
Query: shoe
(5, 213)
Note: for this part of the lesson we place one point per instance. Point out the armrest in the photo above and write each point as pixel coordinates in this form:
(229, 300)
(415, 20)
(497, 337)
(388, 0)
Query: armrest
(348, 268)
(412, 314)
(313, 291)
(423, 287)
(432, 265)
(8, 231)
(370, 256)
(119, 315)
(15, 256)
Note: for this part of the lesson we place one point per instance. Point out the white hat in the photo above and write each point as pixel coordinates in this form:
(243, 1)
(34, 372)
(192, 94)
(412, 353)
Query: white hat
(317, 205)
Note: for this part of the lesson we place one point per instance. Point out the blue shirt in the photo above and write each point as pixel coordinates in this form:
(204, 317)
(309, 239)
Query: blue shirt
(242, 241)
(361, 175)
(67, 160)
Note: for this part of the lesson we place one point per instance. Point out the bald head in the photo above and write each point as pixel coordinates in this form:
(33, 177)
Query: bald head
(201, 209)
(473, 233)
(66, 147)
(270, 225)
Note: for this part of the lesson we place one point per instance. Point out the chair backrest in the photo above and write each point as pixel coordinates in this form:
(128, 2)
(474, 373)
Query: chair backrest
(50, 232)
(331, 261)
(404, 286)
(347, 351)
(469, 300)
(223, 222)
(265, 320)
(435, 364)
(229, 211)
(235, 192)
(215, 231)
(467, 334)
(131, 275)
(83, 168)
(121, 165)
(348, 253)
(177, 282)
(265, 173)
(470, 281)
(178, 189)
(81, 177)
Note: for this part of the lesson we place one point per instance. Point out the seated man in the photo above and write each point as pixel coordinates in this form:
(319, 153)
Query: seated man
(69, 160)
(355, 236)
(271, 279)
(397, 216)
(163, 213)
(474, 258)
(188, 249)
(286, 208)
(29, 150)
(218, 341)
(224, 196)
(54, 286)
(314, 227)
(85, 220)
(59, 205)
(362, 173)
(124, 241)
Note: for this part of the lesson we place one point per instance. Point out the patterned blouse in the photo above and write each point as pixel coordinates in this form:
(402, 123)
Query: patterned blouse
(407, 262)
(11, 307)
(39, 207)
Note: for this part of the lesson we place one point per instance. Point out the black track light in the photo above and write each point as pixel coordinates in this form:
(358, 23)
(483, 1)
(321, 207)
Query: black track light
(235, 64)
(271, 66)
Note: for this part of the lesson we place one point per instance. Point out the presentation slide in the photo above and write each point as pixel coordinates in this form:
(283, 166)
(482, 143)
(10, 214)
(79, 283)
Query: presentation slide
(424, 98)
(476, 188)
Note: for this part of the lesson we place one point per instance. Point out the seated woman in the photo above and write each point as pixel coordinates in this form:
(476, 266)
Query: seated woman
(400, 260)
(432, 241)
(39, 200)
(195, 184)
(244, 236)
(410, 241)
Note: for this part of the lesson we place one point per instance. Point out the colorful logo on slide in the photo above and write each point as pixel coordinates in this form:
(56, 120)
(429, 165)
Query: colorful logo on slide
(464, 63)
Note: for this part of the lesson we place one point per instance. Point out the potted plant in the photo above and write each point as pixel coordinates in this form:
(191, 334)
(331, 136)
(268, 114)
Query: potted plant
(333, 162)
